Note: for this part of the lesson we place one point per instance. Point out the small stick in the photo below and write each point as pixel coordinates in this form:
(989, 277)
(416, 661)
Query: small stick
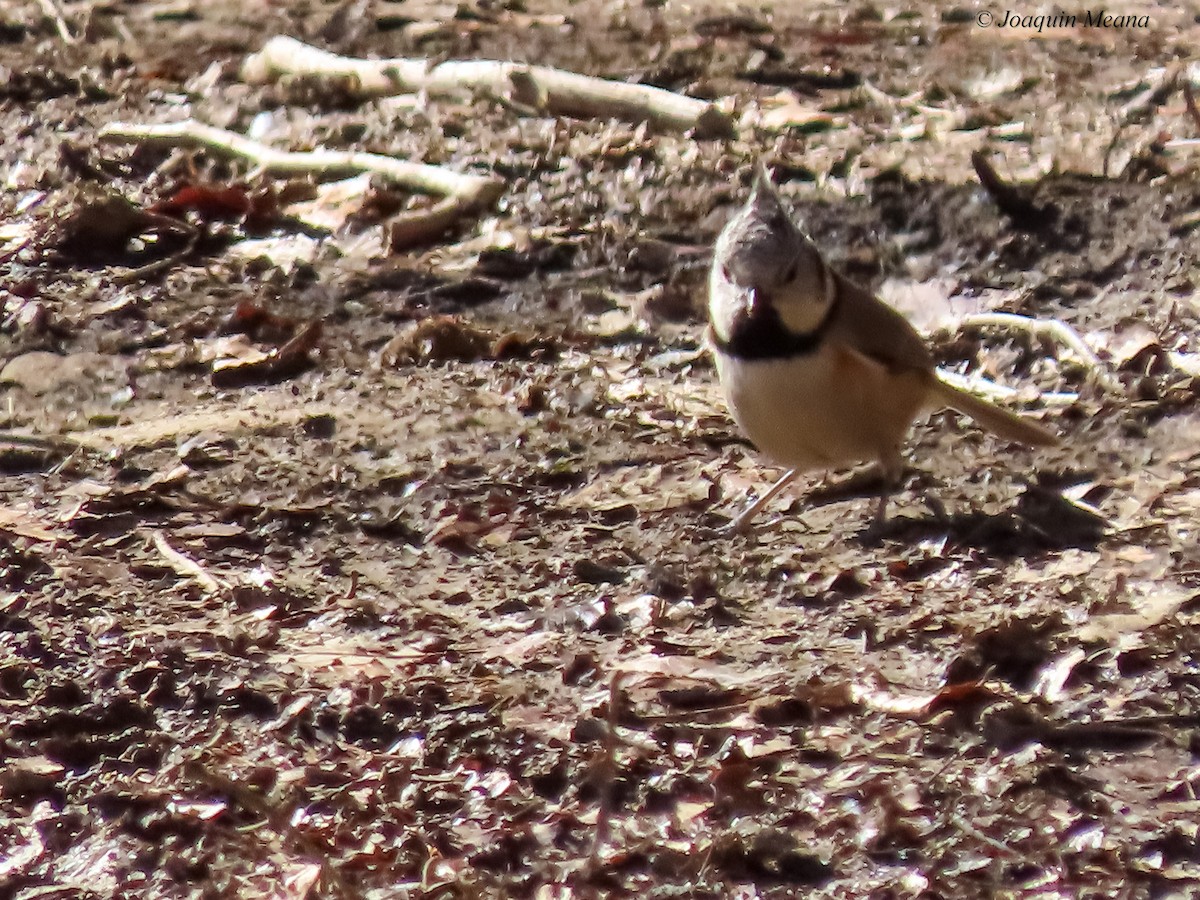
(912, 103)
(1162, 83)
(51, 11)
(1012, 201)
(418, 226)
(1050, 329)
(467, 193)
(541, 87)
(738, 525)
(967, 828)
(1189, 100)
(161, 265)
(185, 565)
(421, 177)
(607, 765)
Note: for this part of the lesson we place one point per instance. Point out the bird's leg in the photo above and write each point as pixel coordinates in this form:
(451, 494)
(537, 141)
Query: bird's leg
(936, 507)
(881, 508)
(739, 524)
(891, 469)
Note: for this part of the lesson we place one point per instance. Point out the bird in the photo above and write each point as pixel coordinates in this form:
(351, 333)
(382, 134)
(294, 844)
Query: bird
(818, 372)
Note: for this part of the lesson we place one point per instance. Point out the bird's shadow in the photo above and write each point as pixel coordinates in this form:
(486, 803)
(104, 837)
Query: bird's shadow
(1040, 519)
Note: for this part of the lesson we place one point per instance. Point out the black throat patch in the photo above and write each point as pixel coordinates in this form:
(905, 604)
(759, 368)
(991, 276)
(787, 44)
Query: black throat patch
(764, 336)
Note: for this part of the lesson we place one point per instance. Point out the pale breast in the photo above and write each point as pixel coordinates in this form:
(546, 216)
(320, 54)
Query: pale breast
(825, 409)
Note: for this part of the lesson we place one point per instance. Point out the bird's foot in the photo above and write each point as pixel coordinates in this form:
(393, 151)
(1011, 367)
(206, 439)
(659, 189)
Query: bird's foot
(936, 507)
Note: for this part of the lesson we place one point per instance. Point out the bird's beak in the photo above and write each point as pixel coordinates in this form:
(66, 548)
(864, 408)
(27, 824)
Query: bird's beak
(756, 301)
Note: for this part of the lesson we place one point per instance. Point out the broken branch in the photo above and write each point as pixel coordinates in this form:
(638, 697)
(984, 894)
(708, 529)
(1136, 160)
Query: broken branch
(1054, 330)
(1013, 201)
(540, 87)
(466, 193)
(51, 11)
(420, 177)
(1160, 84)
(184, 565)
(1189, 99)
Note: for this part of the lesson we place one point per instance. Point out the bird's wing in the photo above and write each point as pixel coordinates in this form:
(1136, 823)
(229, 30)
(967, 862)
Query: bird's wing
(876, 330)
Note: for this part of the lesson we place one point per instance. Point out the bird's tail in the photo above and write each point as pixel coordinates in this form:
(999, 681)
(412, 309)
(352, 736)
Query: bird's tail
(1000, 422)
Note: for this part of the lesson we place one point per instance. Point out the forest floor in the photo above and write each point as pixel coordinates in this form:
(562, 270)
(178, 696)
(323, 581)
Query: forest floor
(436, 602)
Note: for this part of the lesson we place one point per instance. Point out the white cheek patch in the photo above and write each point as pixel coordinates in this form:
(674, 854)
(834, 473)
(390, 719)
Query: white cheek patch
(804, 304)
(802, 316)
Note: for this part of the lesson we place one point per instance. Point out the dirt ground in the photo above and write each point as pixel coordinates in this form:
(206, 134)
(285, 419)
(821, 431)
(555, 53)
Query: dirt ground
(442, 606)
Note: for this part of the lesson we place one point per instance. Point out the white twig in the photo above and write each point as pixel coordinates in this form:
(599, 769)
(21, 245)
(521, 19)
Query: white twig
(1049, 329)
(967, 828)
(428, 179)
(992, 391)
(741, 523)
(185, 565)
(911, 103)
(51, 11)
(540, 87)
(465, 193)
